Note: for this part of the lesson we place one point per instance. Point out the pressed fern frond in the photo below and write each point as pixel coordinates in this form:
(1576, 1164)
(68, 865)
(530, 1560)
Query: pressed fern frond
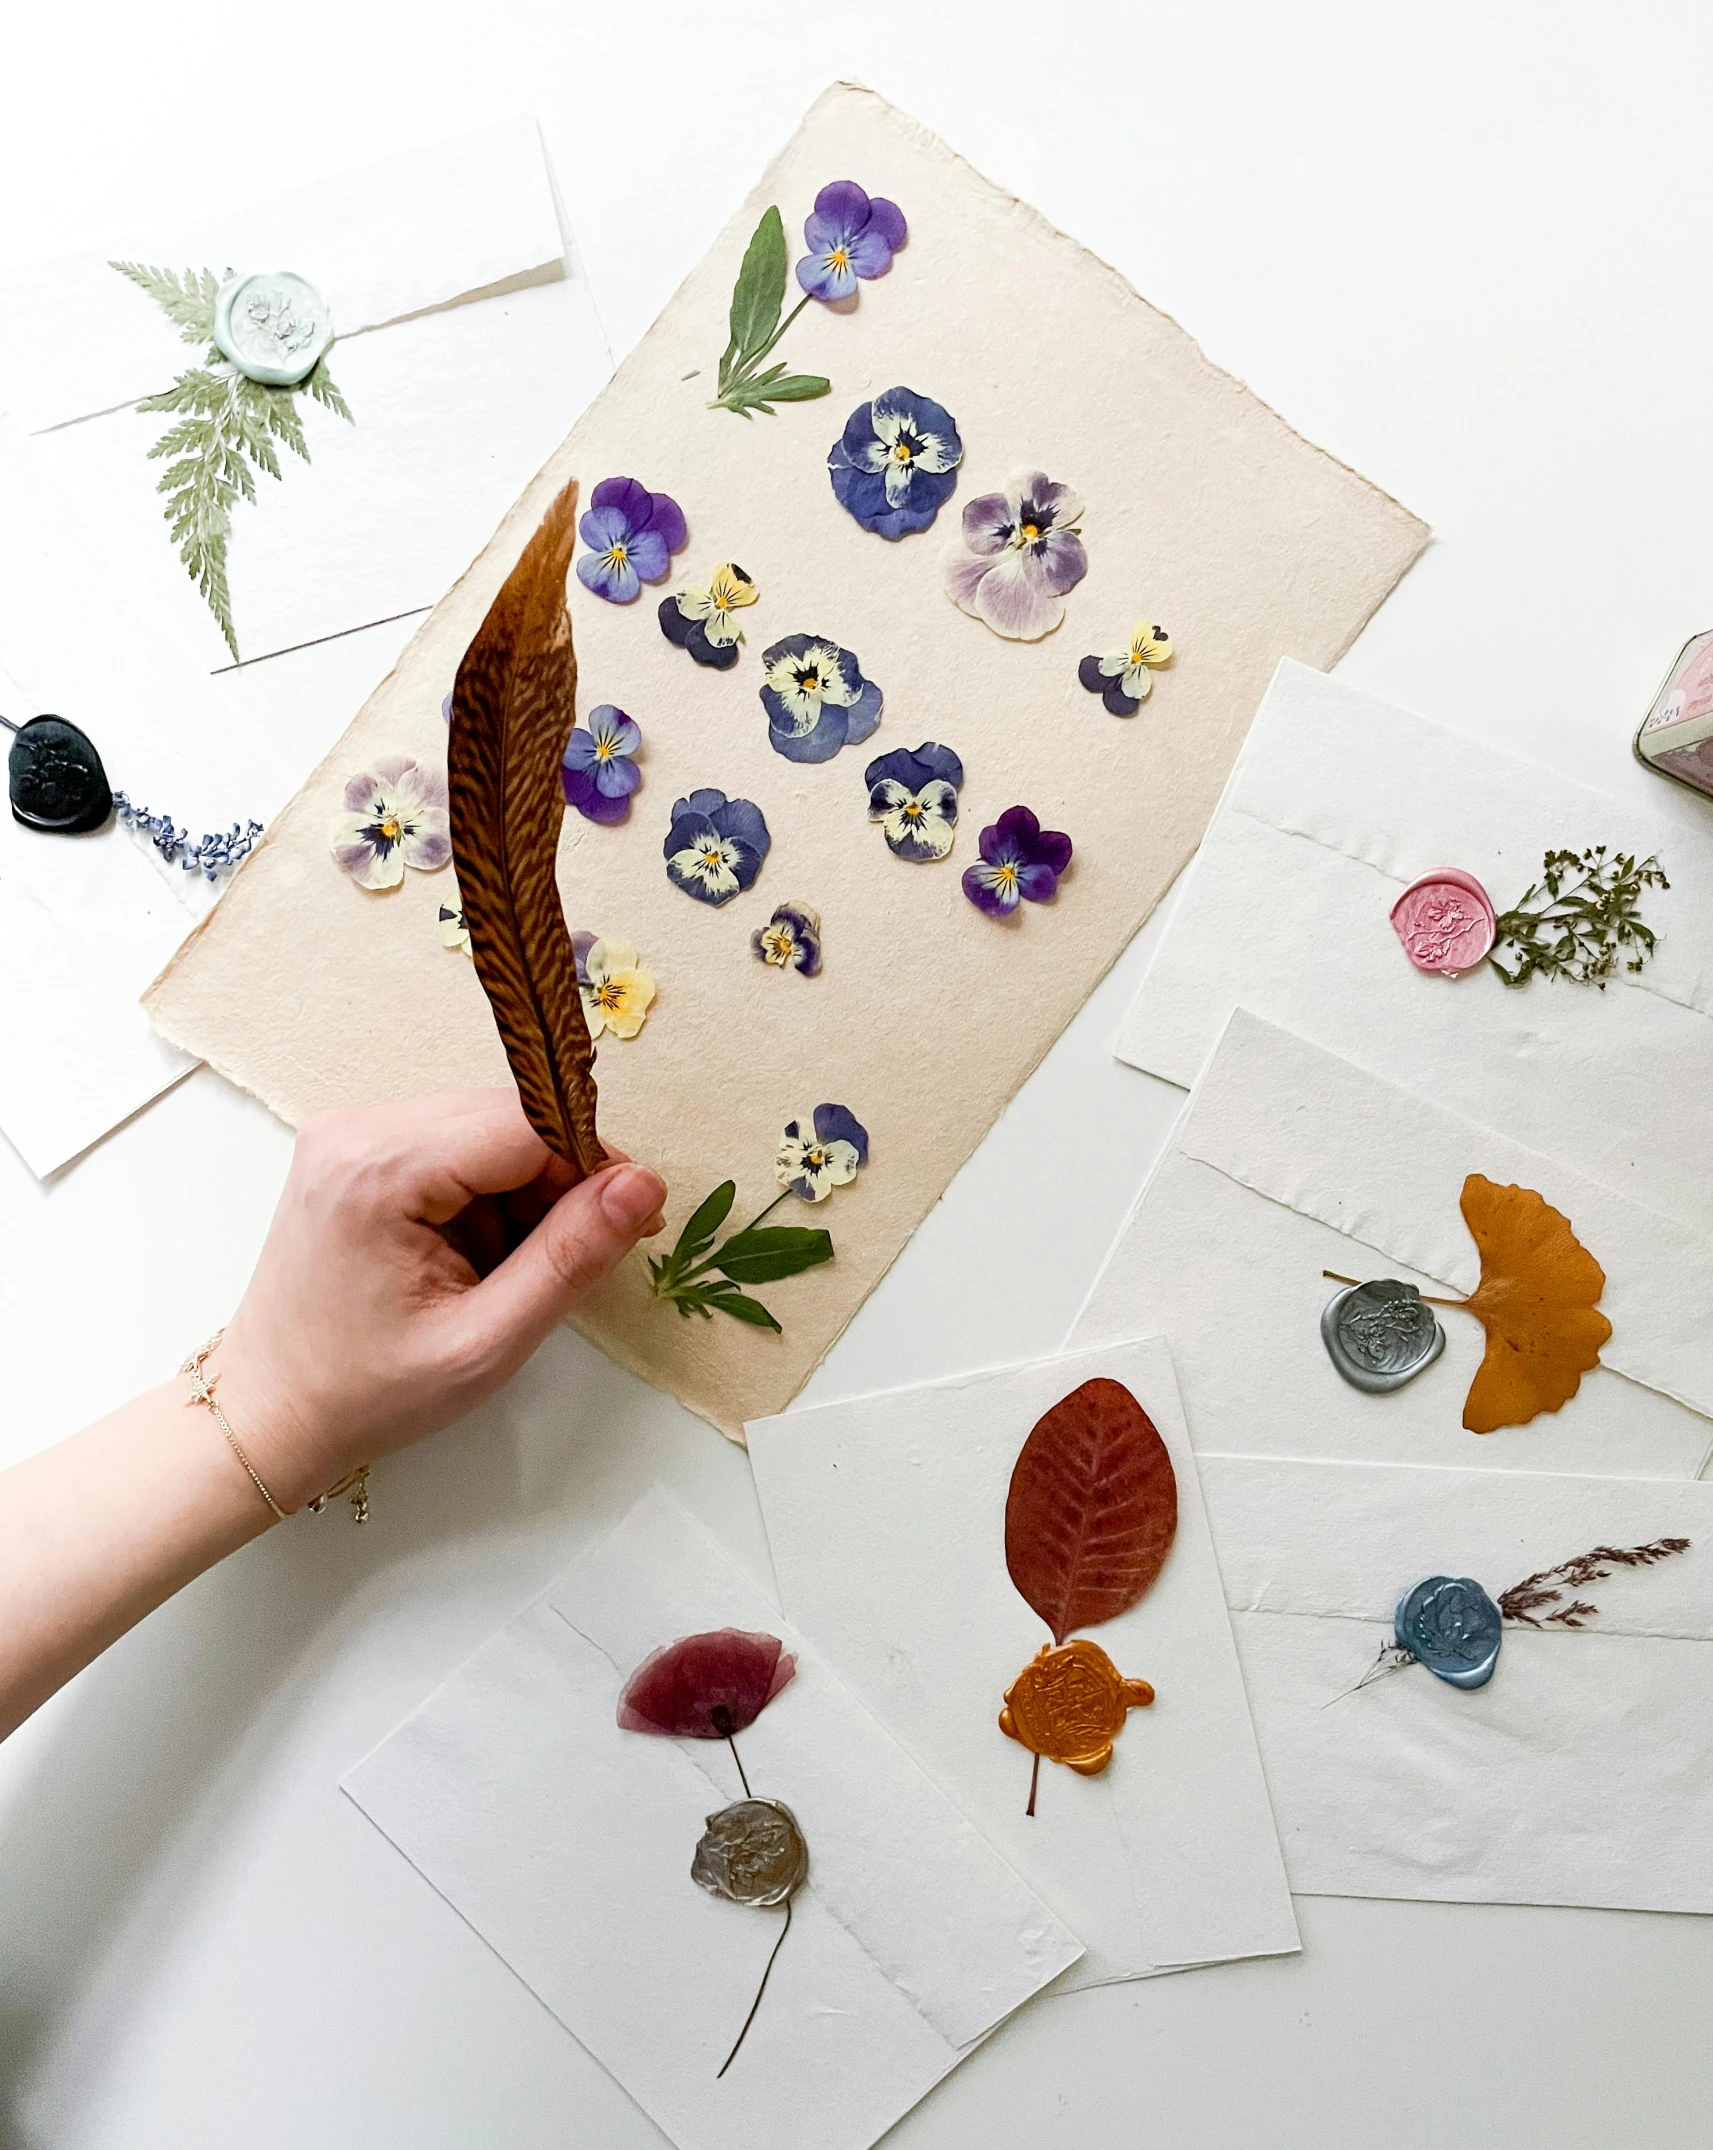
(186, 300)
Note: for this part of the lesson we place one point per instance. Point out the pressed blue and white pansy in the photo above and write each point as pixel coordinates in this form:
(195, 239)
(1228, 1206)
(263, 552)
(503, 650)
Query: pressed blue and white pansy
(1124, 678)
(791, 940)
(816, 698)
(896, 462)
(819, 1151)
(704, 622)
(393, 816)
(715, 845)
(914, 797)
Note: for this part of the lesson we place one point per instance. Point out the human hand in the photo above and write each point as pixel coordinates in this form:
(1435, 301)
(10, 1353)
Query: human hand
(419, 1254)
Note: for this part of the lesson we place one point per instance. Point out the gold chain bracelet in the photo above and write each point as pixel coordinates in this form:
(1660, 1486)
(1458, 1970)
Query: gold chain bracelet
(354, 1485)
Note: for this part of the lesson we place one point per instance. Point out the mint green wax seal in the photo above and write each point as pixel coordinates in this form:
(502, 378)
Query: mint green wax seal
(272, 327)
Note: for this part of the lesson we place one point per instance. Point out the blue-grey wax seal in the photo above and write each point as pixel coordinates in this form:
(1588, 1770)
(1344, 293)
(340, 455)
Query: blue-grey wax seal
(1452, 1626)
(1380, 1335)
(272, 327)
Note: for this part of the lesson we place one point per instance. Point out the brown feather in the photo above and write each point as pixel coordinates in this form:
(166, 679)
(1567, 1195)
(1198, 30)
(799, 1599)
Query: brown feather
(513, 706)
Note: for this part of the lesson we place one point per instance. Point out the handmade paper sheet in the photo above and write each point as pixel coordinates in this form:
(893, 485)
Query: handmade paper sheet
(1203, 510)
(566, 1843)
(886, 1518)
(1336, 804)
(1580, 1774)
(1290, 1161)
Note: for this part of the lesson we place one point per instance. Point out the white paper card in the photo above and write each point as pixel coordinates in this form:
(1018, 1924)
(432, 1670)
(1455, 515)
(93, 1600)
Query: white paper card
(1290, 1161)
(1336, 803)
(1580, 1774)
(566, 1843)
(886, 1516)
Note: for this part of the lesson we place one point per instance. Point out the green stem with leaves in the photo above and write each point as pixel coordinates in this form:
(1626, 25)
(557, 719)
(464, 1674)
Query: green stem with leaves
(697, 1277)
(1579, 918)
(758, 297)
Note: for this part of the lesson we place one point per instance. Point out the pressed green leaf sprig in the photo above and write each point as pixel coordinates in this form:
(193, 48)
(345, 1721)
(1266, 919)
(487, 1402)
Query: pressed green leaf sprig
(695, 1276)
(226, 427)
(1579, 919)
(757, 297)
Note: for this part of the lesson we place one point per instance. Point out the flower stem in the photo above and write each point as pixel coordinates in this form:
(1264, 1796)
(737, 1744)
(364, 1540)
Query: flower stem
(756, 360)
(759, 1991)
(742, 1779)
(702, 1268)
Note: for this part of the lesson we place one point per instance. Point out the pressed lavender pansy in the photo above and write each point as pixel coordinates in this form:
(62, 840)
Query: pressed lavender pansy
(1124, 679)
(816, 698)
(849, 234)
(1019, 554)
(617, 992)
(791, 939)
(394, 816)
(715, 845)
(820, 1151)
(705, 621)
(914, 797)
(597, 772)
(631, 534)
(1020, 861)
(896, 462)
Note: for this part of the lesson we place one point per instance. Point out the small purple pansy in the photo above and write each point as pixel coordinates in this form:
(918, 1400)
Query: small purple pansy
(1019, 553)
(1020, 862)
(850, 234)
(597, 771)
(820, 1151)
(631, 534)
(791, 940)
(393, 816)
(914, 797)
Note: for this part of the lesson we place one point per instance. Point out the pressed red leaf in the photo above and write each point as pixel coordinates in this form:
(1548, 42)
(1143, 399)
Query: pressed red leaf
(705, 1686)
(1092, 1510)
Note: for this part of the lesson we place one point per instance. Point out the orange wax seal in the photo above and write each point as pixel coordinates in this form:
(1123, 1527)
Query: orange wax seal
(1069, 1704)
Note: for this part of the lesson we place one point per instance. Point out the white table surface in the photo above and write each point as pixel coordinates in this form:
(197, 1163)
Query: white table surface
(1465, 248)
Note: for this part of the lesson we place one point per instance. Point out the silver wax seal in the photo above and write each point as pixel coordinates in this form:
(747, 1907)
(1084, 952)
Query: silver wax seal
(272, 327)
(1380, 1335)
(751, 1852)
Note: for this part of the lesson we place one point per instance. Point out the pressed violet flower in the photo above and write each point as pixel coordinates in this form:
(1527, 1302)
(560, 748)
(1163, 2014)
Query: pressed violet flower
(1124, 679)
(1019, 554)
(1020, 861)
(820, 1151)
(816, 698)
(617, 991)
(631, 534)
(715, 845)
(394, 816)
(914, 797)
(791, 939)
(850, 234)
(704, 621)
(896, 462)
(597, 771)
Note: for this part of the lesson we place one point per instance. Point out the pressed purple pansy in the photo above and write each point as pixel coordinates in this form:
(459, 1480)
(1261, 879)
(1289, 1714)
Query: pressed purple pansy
(896, 462)
(631, 534)
(597, 770)
(849, 235)
(791, 940)
(393, 816)
(1019, 554)
(816, 698)
(715, 845)
(819, 1151)
(1020, 862)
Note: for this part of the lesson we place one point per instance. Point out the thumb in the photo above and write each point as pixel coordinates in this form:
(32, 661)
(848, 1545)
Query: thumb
(586, 1234)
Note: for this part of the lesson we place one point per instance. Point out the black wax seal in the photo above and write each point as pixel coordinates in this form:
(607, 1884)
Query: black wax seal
(56, 779)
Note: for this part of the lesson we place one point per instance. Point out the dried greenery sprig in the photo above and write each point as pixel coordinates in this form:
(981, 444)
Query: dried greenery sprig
(1524, 1600)
(227, 426)
(1579, 918)
(757, 297)
(696, 1278)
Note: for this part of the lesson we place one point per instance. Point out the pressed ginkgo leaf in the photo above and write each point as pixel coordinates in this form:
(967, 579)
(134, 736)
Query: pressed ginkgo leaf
(1537, 1300)
(705, 1686)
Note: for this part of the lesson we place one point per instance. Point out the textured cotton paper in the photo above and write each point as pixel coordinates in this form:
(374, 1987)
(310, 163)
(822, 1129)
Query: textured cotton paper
(467, 340)
(1337, 803)
(566, 1843)
(1580, 1774)
(886, 1518)
(1289, 1161)
(1202, 506)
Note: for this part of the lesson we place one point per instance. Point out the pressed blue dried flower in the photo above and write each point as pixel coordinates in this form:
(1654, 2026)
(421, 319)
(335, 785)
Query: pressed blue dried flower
(791, 939)
(896, 462)
(850, 234)
(715, 845)
(914, 797)
(597, 772)
(1123, 679)
(820, 1151)
(1020, 862)
(632, 535)
(816, 698)
(705, 621)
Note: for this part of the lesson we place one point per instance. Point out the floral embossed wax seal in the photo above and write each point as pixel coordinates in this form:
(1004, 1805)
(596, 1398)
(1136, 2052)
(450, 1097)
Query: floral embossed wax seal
(1446, 921)
(1380, 1335)
(273, 328)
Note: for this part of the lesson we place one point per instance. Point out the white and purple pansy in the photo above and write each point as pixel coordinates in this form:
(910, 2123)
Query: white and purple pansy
(816, 698)
(819, 1151)
(394, 816)
(704, 622)
(715, 845)
(791, 940)
(1020, 863)
(1019, 553)
(597, 772)
(914, 797)
(1123, 679)
(896, 462)
(631, 534)
(850, 234)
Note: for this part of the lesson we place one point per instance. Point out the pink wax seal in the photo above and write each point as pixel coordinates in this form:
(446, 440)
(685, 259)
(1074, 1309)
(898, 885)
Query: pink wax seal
(1445, 921)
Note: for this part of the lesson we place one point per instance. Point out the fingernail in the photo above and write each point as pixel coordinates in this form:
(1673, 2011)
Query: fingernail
(630, 1196)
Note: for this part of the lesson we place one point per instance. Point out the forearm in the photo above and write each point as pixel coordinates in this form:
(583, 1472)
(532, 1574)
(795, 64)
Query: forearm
(98, 1531)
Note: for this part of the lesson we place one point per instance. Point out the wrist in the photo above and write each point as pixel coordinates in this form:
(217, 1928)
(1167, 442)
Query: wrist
(273, 1438)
